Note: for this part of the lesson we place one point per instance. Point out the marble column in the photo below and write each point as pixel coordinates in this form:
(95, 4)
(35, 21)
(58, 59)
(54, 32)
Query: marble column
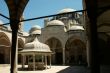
(16, 54)
(88, 54)
(42, 58)
(23, 61)
(50, 60)
(46, 61)
(63, 56)
(34, 62)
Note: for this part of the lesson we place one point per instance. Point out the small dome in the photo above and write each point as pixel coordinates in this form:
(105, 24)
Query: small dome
(35, 30)
(55, 22)
(36, 27)
(66, 10)
(76, 27)
(1, 22)
(36, 46)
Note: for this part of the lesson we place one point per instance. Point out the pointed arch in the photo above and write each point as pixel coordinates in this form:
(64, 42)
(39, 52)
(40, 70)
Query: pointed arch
(20, 43)
(56, 47)
(54, 42)
(20, 47)
(103, 22)
(104, 50)
(75, 50)
(4, 48)
(4, 39)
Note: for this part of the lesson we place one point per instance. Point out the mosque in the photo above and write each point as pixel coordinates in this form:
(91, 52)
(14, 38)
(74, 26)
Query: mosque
(64, 34)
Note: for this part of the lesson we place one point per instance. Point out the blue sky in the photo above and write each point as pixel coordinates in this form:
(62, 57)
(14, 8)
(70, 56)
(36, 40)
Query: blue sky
(36, 8)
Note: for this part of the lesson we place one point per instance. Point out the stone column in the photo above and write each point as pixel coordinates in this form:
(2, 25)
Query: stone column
(34, 62)
(88, 54)
(50, 60)
(63, 56)
(16, 54)
(46, 61)
(42, 58)
(28, 59)
(23, 61)
(14, 49)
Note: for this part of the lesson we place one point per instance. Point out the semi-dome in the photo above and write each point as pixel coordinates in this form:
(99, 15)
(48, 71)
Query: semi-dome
(36, 46)
(55, 23)
(66, 10)
(35, 30)
(76, 27)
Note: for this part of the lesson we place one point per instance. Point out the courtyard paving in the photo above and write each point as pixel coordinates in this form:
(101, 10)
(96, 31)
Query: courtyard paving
(56, 69)
(53, 69)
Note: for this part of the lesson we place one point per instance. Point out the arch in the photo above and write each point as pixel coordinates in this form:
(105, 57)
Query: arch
(20, 43)
(52, 42)
(5, 37)
(4, 48)
(75, 51)
(56, 47)
(20, 47)
(104, 50)
(103, 21)
(104, 10)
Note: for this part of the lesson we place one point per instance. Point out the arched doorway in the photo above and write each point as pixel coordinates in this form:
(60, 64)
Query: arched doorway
(56, 47)
(20, 47)
(103, 23)
(4, 49)
(75, 52)
(104, 50)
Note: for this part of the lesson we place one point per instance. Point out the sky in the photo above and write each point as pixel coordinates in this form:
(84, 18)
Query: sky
(37, 8)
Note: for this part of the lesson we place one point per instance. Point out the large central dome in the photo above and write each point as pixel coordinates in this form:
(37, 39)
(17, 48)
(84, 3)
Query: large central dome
(66, 10)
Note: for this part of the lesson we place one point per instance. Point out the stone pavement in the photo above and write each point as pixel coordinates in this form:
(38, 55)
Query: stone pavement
(57, 69)
(53, 69)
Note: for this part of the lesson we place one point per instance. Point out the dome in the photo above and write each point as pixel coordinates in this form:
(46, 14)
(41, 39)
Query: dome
(76, 27)
(36, 27)
(36, 46)
(55, 22)
(1, 22)
(35, 30)
(66, 10)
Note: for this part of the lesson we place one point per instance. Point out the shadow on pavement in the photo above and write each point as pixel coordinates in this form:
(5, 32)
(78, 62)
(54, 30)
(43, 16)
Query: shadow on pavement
(75, 69)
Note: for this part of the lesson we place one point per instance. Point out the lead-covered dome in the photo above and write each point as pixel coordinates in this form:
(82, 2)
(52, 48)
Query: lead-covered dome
(55, 23)
(66, 10)
(36, 46)
(76, 27)
(35, 30)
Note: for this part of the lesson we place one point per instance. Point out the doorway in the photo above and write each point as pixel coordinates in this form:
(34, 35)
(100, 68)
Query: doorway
(2, 61)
